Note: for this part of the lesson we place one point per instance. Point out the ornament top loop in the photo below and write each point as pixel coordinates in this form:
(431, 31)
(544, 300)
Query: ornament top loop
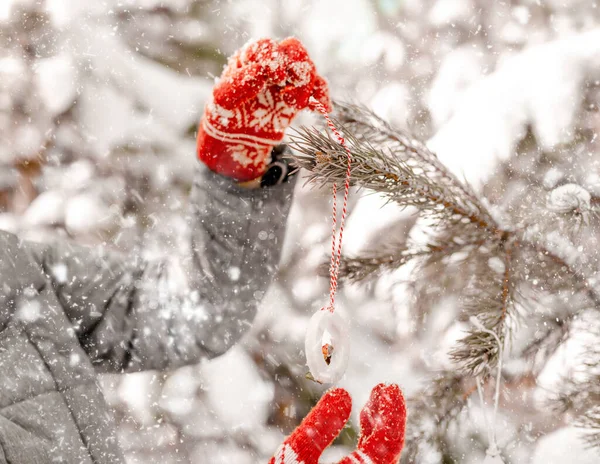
(326, 344)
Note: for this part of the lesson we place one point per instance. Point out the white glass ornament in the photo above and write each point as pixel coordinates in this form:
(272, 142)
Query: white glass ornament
(327, 346)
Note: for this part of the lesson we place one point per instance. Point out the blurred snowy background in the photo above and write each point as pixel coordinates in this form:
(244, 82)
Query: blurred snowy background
(99, 102)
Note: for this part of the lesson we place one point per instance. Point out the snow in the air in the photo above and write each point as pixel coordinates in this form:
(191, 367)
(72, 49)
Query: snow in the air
(99, 106)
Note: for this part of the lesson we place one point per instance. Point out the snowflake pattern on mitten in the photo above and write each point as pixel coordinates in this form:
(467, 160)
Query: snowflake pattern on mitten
(264, 85)
(382, 421)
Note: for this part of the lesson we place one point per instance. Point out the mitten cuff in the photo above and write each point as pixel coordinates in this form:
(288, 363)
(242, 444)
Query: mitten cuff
(281, 170)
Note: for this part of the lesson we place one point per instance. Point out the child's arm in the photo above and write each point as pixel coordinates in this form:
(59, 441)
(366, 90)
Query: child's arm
(131, 315)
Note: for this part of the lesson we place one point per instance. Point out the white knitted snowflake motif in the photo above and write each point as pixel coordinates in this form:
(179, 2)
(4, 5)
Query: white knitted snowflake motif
(241, 154)
(222, 115)
(270, 111)
(286, 455)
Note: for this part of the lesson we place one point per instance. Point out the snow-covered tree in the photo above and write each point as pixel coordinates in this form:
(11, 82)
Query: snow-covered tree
(480, 196)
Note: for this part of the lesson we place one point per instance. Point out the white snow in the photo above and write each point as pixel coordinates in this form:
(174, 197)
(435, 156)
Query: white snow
(591, 183)
(179, 393)
(327, 23)
(8, 6)
(9, 222)
(553, 177)
(56, 79)
(5, 9)
(522, 14)
(11, 69)
(392, 103)
(62, 12)
(446, 12)
(569, 197)
(234, 273)
(28, 141)
(140, 393)
(78, 175)
(567, 361)
(60, 273)
(541, 86)
(48, 208)
(219, 453)
(28, 310)
(230, 378)
(369, 219)
(572, 448)
(130, 114)
(459, 69)
(85, 213)
(150, 102)
(386, 46)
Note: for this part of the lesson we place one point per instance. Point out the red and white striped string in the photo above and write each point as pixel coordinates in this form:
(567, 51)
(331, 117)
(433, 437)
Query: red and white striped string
(336, 240)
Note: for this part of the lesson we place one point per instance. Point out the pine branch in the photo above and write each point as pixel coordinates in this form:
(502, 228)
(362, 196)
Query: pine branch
(371, 265)
(581, 400)
(403, 169)
(387, 161)
(590, 422)
(544, 345)
(367, 125)
(432, 411)
(580, 392)
(488, 298)
(577, 281)
(462, 230)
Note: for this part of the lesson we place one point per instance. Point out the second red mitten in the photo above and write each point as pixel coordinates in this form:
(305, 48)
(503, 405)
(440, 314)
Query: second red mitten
(382, 421)
(383, 424)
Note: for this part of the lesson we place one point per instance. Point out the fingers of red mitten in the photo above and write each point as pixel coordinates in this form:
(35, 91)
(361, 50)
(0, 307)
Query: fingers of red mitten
(266, 53)
(240, 86)
(300, 96)
(300, 70)
(367, 420)
(293, 49)
(321, 426)
(383, 423)
(259, 50)
(366, 414)
(297, 97)
(321, 93)
(233, 63)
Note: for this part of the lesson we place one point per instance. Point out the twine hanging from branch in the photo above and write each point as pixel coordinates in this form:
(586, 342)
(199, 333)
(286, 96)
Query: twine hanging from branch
(327, 338)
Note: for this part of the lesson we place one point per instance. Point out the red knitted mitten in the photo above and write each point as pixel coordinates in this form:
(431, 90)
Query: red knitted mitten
(382, 421)
(317, 430)
(264, 85)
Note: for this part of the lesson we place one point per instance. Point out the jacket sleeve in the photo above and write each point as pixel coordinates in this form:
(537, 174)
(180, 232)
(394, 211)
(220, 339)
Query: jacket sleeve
(131, 314)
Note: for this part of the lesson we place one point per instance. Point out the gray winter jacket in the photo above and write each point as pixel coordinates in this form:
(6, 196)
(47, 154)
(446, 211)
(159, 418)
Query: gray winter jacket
(68, 312)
